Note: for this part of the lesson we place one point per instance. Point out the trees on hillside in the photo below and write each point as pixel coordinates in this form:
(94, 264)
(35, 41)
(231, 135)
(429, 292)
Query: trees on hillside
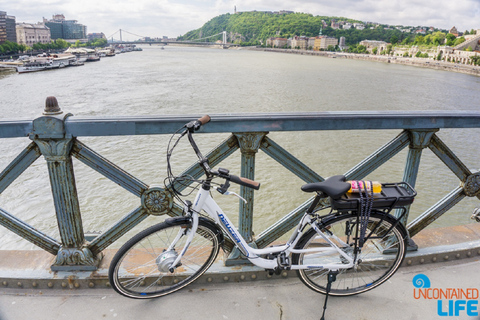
(258, 26)
(254, 28)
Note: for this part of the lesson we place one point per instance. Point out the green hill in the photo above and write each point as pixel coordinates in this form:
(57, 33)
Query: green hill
(253, 28)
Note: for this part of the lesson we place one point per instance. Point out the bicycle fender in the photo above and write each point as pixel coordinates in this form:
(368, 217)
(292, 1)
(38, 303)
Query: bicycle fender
(215, 227)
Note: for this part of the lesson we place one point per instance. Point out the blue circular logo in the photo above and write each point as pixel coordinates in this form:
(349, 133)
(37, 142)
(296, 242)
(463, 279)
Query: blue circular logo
(421, 281)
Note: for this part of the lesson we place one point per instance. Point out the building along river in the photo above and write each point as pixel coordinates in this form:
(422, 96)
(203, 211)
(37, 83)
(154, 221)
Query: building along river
(189, 80)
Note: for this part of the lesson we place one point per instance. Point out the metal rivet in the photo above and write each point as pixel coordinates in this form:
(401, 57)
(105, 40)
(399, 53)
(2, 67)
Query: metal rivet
(5, 283)
(209, 279)
(91, 284)
(50, 284)
(175, 281)
(19, 284)
(64, 284)
(242, 277)
(434, 259)
(77, 285)
(225, 278)
(409, 262)
(254, 276)
(142, 283)
(458, 256)
(107, 284)
(469, 254)
(422, 260)
(446, 257)
(284, 274)
(34, 284)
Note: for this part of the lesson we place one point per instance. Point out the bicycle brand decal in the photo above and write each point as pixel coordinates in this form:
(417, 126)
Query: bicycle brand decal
(450, 301)
(232, 232)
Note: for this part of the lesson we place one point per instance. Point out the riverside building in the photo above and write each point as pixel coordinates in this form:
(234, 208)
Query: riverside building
(30, 34)
(322, 43)
(65, 29)
(7, 28)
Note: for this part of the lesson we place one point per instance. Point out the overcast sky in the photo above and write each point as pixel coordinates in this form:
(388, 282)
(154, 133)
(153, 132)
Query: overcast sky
(156, 18)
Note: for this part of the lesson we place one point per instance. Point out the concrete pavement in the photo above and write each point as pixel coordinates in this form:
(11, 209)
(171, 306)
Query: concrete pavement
(280, 298)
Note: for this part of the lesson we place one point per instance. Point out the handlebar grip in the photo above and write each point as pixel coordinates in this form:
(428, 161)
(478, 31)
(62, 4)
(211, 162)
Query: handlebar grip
(245, 182)
(205, 119)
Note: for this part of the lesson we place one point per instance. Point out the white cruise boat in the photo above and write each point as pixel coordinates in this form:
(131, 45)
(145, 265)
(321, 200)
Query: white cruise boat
(36, 65)
(80, 53)
(62, 60)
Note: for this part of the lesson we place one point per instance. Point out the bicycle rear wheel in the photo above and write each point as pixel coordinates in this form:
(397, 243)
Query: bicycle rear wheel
(140, 268)
(380, 257)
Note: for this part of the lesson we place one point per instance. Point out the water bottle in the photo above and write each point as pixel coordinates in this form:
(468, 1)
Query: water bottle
(358, 185)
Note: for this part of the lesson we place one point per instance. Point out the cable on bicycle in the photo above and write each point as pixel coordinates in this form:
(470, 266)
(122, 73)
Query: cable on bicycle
(185, 180)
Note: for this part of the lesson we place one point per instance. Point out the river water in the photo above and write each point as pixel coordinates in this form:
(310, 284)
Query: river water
(188, 80)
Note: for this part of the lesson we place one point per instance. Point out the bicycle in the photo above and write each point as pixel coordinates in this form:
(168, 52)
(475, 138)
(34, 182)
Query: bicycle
(358, 244)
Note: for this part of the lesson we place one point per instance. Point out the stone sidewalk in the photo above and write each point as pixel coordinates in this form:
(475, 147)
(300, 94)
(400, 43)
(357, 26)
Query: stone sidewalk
(449, 257)
(282, 299)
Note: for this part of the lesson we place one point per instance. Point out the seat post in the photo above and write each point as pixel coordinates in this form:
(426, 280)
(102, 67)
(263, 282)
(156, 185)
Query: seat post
(316, 200)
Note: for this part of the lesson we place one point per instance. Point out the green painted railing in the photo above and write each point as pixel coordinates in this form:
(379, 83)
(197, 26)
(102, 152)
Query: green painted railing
(57, 136)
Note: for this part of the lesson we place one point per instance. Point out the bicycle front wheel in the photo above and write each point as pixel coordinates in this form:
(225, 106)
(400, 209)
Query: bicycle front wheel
(140, 269)
(380, 256)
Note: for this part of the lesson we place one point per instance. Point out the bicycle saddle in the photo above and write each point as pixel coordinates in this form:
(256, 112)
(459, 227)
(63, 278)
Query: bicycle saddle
(333, 187)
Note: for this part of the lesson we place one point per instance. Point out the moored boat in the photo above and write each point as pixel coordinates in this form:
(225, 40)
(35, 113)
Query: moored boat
(63, 60)
(36, 65)
(83, 54)
(10, 64)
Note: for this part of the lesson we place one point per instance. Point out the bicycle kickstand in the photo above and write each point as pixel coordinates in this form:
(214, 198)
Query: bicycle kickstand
(332, 276)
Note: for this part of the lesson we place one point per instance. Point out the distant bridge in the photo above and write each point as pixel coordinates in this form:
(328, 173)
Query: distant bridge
(166, 41)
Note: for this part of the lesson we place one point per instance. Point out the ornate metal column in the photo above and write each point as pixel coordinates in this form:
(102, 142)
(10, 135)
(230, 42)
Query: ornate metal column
(249, 144)
(419, 140)
(49, 134)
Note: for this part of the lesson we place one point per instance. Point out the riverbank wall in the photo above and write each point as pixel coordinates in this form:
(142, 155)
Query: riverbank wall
(414, 62)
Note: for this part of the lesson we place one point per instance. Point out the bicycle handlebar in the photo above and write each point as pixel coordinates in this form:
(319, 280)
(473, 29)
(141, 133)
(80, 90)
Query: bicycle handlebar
(205, 119)
(245, 182)
(193, 126)
(196, 124)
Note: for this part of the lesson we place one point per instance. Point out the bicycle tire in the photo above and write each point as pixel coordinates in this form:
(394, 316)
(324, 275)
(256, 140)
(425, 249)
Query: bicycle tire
(381, 255)
(135, 270)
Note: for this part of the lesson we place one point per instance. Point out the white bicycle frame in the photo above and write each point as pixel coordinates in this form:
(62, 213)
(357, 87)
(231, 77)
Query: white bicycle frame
(204, 200)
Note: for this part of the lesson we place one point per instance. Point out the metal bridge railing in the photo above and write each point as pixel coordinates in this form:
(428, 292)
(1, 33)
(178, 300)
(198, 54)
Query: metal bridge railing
(56, 136)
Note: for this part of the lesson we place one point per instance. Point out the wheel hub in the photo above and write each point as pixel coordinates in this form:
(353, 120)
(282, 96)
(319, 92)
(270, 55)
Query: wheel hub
(165, 260)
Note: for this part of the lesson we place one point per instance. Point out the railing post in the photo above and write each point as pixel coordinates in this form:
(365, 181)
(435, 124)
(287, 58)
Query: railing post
(419, 140)
(249, 144)
(49, 134)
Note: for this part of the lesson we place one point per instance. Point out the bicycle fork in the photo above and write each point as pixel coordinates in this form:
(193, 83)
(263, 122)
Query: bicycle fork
(189, 233)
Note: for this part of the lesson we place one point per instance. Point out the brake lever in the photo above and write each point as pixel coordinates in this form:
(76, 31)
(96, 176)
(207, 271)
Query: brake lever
(229, 193)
